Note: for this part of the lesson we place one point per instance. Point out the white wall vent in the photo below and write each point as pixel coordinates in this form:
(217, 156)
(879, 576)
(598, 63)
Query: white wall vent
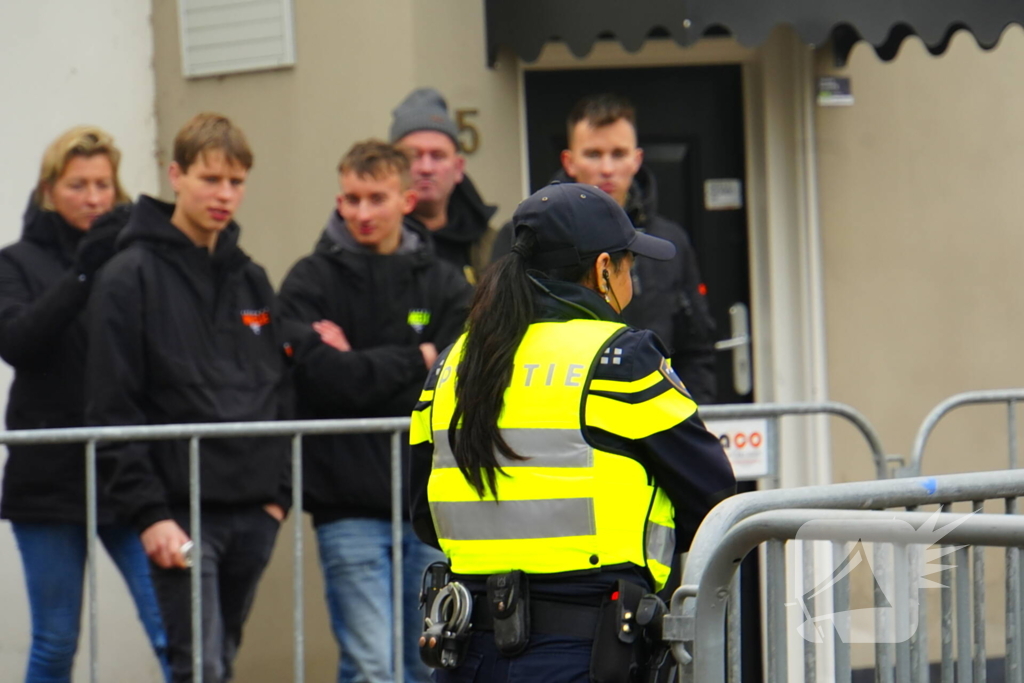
(229, 36)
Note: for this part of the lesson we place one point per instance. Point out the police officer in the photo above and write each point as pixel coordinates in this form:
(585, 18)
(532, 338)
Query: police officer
(557, 459)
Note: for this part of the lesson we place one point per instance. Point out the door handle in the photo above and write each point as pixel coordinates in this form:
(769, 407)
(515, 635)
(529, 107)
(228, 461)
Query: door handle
(739, 344)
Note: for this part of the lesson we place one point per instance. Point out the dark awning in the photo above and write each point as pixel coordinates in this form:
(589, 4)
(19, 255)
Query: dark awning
(525, 25)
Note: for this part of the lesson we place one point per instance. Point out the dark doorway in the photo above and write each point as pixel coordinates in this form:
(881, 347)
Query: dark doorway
(690, 125)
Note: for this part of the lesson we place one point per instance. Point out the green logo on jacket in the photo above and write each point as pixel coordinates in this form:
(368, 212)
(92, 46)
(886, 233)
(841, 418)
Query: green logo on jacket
(419, 318)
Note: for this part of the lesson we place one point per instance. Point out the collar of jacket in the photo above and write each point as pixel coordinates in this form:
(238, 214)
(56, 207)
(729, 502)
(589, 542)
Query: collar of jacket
(557, 300)
(49, 229)
(468, 216)
(336, 242)
(150, 223)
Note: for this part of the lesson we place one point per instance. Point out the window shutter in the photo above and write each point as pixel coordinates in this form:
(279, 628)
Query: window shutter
(230, 36)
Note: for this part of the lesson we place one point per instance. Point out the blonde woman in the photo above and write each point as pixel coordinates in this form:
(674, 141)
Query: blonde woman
(70, 226)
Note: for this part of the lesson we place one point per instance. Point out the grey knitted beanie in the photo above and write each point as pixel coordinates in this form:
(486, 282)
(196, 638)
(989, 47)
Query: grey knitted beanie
(423, 109)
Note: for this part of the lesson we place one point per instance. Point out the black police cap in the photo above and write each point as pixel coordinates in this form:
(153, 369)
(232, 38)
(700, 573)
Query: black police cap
(574, 222)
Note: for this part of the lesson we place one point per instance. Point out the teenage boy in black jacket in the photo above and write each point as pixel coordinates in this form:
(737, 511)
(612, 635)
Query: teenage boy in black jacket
(183, 329)
(668, 296)
(383, 303)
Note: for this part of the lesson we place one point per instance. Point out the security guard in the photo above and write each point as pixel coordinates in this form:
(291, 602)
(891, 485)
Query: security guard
(557, 459)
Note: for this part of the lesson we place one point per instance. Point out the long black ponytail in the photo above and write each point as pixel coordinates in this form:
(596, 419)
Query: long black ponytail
(501, 313)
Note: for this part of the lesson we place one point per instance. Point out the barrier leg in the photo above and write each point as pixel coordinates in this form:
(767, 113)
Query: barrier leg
(919, 635)
(978, 555)
(735, 630)
(947, 617)
(841, 602)
(298, 597)
(901, 591)
(884, 624)
(810, 603)
(396, 552)
(197, 559)
(964, 669)
(90, 557)
(776, 606)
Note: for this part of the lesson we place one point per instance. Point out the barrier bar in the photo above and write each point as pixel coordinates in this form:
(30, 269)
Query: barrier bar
(887, 493)
(846, 525)
(1008, 396)
(777, 410)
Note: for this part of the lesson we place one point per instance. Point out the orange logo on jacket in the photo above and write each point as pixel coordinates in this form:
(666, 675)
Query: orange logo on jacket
(255, 320)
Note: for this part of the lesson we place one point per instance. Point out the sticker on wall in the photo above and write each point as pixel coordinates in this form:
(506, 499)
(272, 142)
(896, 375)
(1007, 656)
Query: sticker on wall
(834, 91)
(723, 194)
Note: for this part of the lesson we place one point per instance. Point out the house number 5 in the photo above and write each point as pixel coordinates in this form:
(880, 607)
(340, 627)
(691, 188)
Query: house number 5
(469, 135)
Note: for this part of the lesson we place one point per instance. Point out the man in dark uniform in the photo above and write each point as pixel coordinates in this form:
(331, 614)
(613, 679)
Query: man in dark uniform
(669, 296)
(447, 202)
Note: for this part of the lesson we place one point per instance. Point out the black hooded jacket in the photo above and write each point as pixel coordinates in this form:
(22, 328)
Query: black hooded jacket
(42, 336)
(387, 305)
(667, 296)
(458, 242)
(179, 335)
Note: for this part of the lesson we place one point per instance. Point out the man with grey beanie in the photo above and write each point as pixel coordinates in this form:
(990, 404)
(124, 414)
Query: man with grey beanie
(447, 203)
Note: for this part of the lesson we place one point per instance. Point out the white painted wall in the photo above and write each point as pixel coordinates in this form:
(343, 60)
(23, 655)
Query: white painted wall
(67, 62)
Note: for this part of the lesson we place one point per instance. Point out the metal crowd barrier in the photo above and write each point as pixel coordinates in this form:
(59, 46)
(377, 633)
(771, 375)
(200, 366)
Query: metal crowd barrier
(700, 623)
(296, 429)
(1008, 396)
(773, 412)
(194, 433)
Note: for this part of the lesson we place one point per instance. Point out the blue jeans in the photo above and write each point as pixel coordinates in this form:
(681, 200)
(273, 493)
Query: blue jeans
(355, 555)
(53, 557)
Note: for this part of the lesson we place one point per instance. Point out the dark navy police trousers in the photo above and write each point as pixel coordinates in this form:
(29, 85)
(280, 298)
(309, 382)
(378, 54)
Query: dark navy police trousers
(547, 659)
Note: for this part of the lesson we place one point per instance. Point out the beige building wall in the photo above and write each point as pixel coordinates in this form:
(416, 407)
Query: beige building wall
(355, 62)
(921, 229)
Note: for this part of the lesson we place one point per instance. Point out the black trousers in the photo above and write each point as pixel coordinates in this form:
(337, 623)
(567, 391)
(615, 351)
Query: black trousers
(237, 544)
(547, 659)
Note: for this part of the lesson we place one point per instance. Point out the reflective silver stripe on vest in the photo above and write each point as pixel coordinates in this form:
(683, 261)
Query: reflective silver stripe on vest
(514, 519)
(543, 447)
(661, 543)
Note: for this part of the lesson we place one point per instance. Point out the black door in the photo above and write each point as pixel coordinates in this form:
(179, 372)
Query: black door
(690, 125)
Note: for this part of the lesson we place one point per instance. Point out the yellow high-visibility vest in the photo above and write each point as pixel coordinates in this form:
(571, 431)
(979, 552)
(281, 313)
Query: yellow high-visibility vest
(568, 506)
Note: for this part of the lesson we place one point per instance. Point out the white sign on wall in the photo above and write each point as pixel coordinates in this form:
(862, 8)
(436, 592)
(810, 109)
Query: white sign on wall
(723, 194)
(746, 444)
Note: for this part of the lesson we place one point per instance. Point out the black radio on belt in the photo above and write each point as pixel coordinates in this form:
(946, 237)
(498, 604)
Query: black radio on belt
(508, 600)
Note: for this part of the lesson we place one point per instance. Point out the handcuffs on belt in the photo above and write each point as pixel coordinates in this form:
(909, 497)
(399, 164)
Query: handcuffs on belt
(628, 641)
(446, 621)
